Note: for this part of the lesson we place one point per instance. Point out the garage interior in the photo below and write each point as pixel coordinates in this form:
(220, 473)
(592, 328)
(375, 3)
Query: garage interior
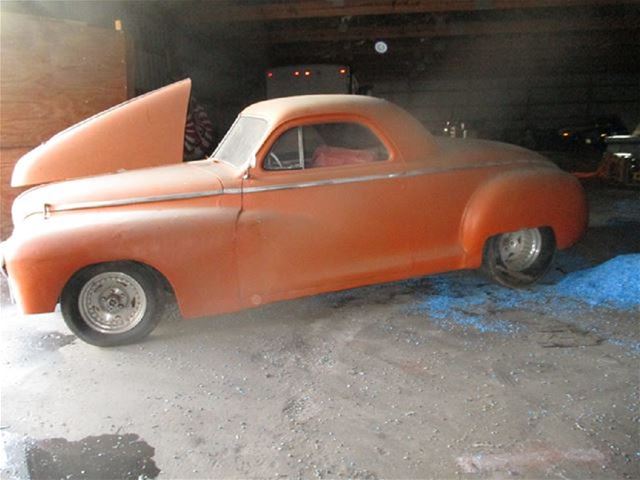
(445, 376)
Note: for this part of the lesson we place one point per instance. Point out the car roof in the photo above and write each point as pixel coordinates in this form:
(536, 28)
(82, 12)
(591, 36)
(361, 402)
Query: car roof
(281, 109)
(409, 136)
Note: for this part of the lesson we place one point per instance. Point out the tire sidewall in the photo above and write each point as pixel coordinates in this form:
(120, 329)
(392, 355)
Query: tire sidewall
(74, 320)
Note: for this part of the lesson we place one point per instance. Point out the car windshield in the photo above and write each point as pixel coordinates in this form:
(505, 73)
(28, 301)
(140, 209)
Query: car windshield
(241, 142)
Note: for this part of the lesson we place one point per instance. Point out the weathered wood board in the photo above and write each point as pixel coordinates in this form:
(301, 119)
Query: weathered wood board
(53, 74)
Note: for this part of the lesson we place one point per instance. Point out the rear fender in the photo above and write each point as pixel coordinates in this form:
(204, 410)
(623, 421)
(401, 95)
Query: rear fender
(520, 199)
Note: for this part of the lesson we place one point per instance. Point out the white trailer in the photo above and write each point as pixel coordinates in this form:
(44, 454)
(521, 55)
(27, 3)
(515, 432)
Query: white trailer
(309, 79)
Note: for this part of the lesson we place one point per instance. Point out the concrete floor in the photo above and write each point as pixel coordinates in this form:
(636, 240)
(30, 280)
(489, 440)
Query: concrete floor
(373, 382)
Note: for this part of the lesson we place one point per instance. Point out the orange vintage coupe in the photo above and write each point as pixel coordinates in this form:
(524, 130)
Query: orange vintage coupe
(303, 195)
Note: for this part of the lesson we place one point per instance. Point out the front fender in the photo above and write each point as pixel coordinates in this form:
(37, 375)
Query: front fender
(519, 199)
(191, 246)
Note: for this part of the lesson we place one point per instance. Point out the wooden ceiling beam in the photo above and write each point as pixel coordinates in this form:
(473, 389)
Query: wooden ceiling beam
(230, 11)
(457, 29)
(367, 69)
(620, 45)
(489, 55)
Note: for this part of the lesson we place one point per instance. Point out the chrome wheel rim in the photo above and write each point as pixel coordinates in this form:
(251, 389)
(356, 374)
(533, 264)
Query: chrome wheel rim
(112, 302)
(519, 250)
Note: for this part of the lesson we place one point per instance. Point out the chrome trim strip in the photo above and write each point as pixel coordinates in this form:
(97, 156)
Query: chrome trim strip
(49, 209)
(367, 178)
(129, 201)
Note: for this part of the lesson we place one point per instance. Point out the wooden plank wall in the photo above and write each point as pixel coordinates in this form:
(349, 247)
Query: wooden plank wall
(53, 74)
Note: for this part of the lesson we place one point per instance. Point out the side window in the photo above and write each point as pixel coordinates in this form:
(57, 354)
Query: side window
(285, 153)
(325, 145)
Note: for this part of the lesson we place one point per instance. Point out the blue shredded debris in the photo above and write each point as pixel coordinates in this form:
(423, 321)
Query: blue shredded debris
(456, 300)
(624, 343)
(615, 283)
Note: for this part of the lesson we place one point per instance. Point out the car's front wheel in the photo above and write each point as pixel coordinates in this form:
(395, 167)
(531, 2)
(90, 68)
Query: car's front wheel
(517, 259)
(112, 304)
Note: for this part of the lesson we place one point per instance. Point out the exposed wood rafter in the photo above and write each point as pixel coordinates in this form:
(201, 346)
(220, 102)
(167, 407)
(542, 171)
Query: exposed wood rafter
(229, 11)
(457, 29)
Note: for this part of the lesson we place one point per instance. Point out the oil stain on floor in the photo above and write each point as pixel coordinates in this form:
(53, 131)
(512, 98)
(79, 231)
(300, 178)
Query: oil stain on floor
(124, 456)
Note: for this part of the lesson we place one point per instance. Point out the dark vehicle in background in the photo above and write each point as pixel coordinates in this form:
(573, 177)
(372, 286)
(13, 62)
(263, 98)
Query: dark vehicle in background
(591, 135)
(587, 138)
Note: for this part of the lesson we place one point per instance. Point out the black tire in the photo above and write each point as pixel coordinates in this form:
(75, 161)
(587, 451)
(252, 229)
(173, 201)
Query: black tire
(101, 291)
(520, 271)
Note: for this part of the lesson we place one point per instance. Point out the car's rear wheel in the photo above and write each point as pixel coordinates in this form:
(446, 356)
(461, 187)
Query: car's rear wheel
(517, 259)
(113, 303)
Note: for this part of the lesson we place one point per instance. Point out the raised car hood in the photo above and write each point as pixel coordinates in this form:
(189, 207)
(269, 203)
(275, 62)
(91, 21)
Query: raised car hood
(137, 186)
(146, 131)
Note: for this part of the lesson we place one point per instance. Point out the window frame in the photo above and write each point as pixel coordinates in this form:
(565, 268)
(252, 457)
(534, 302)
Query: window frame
(255, 151)
(286, 126)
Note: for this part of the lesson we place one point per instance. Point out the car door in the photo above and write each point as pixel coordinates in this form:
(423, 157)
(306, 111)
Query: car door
(324, 209)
